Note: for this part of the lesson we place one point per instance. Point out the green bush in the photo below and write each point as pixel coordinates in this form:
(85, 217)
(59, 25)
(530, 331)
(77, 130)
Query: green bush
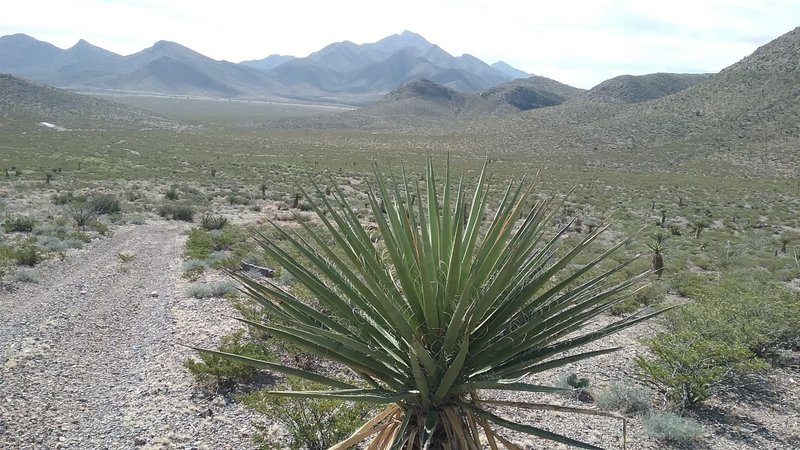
(63, 198)
(104, 204)
(215, 369)
(210, 222)
(201, 243)
(456, 296)
(171, 211)
(100, 227)
(690, 367)
(312, 423)
(672, 428)
(624, 397)
(21, 224)
(724, 334)
(27, 255)
(171, 193)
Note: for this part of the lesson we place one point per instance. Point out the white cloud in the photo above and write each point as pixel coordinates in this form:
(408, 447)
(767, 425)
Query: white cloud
(580, 43)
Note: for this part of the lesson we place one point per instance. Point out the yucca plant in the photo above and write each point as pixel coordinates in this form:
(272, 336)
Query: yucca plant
(446, 303)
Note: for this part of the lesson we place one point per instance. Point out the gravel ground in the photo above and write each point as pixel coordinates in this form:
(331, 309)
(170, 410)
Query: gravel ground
(90, 360)
(90, 354)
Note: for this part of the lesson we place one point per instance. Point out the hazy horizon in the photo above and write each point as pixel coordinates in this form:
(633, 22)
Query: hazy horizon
(580, 46)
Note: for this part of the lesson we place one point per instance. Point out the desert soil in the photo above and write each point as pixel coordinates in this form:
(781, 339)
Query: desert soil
(91, 356)
(91, 360)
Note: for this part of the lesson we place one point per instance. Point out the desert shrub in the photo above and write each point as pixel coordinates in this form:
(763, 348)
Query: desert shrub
(172, 211)
(237, 199)
(54, 244)
(63, 198)
(211, 222)
(58, 230)
(672, 428)
(208, 290)
(134, 195)
(20, 224)
(24, 275)
(624, 397)
(193, 268)
(183, 212)
(104, 204)
(80, 236)
(201, 243)
(100, 227)
(711, 343)
(313, 424)
(650, 294)
(171, 193)
(81, 213)
(27, 255)
(213, 368)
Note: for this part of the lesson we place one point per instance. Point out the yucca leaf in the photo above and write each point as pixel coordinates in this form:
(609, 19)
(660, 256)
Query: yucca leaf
(527, 428)
(446, 301)
(358, 395)
(258, 364)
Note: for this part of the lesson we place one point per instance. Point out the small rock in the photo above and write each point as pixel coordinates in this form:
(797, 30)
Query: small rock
(83, 292)
(207, 413)
(154, 294)
(139, 441)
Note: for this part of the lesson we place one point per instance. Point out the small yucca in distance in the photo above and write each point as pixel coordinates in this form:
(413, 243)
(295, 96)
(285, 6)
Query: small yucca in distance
(448, 302)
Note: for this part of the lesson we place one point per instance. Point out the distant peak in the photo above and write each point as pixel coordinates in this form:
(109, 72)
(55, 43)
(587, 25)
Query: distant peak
(163, 43)
(82, 43)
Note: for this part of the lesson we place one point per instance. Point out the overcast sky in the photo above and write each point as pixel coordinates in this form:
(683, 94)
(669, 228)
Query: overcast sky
(576, 42)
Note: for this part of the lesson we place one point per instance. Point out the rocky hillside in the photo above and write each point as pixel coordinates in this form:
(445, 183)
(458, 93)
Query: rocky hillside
(641, 88)
(748, 114)
(27, 102)
(424, 100)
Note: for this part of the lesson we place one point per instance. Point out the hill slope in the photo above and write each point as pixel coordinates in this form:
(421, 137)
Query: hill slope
(747, 115)
(641, 88)
(27, 102)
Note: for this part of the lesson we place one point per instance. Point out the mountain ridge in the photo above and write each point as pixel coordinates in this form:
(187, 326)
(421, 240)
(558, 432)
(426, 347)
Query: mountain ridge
(342, 70)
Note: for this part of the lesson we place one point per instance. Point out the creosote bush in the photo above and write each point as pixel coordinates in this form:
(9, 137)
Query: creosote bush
(214, 369)
(82, 214)
(448, 301)
(172, 211)
(20, 224)
(314, 424)
(27, 255)
(713, 342)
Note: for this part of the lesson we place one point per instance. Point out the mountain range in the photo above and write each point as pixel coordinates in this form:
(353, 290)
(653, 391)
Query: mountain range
(340, 72)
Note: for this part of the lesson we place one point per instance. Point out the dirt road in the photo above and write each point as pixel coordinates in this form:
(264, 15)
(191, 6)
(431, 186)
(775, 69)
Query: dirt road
(90, 356)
